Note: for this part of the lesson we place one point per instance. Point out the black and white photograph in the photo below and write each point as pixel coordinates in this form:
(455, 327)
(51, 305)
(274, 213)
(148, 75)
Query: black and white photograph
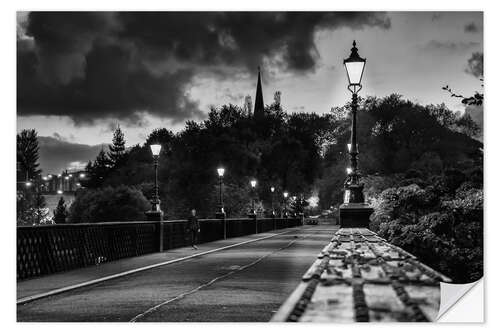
(247, 166)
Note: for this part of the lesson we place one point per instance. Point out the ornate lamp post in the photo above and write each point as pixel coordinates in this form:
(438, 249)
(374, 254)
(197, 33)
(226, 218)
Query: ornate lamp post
(155, 214)
(253, 184)
(354, 212)
(285, 199)
(220, 214)
(272, 201)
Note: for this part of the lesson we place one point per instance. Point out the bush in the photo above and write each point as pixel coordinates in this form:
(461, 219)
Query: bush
(108, 204)
(442, 224)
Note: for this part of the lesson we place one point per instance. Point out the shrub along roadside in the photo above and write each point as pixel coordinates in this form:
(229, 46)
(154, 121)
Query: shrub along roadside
(108, 204)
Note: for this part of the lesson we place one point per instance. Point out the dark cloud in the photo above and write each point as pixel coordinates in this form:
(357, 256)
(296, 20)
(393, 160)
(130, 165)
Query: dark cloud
(56, 154)
(475, 65)
(471, 28)
(93, 65)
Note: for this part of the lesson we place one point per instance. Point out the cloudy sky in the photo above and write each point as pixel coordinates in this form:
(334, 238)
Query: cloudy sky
(79, 74)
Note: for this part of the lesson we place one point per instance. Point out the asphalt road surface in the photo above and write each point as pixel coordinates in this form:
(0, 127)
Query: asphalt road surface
(247, 283)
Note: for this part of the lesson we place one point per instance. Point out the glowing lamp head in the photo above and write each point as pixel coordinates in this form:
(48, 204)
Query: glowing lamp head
(272, 189)
(253, 183)
(285, 195)
(155, 149)
(349, 146)
(59, 192)
(220, 172)
(349, 171)
(355, 66)
(49, 176)
(82, 175)
(45, 178)
(28, 184)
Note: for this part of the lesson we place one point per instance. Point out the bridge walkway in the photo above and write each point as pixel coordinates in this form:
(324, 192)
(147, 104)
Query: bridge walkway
(239, 279)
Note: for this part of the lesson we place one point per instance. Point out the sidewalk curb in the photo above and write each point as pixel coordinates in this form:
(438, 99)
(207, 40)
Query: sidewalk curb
(32, 298)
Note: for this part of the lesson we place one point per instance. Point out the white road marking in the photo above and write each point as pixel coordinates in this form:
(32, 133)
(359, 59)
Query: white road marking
(192, 291)
(31, 298)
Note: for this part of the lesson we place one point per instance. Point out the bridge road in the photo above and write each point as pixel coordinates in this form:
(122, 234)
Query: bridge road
(244, 283)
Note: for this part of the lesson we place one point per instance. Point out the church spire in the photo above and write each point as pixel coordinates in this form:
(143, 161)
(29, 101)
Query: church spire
(258, 111)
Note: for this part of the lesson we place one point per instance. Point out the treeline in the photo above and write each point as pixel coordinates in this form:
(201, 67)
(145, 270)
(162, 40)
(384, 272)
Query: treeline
(279, 150)
(303, 153)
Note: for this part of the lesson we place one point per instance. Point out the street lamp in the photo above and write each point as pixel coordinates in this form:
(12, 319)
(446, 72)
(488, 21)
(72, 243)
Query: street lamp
(155, 214)
(285, 198)
(272, 201)
(354, 66)
(253, 184)
(220, 214)
(354, 212)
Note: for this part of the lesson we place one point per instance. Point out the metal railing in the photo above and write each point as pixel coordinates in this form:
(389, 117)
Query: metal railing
(49, 249)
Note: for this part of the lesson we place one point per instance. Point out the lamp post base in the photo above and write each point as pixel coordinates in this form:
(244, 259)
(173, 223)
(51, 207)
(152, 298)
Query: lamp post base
(355, 215)
(154, 215)
(220, 215)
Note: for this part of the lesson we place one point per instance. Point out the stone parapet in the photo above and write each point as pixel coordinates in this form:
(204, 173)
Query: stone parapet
(360, 277)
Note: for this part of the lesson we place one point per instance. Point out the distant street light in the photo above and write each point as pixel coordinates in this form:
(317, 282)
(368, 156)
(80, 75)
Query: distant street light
(28, 184)
(253, 184)
(220, 214)
(155, 214)
(82, 175)
(285, 199)
(59, 192)
(354, 66)
(272, 201)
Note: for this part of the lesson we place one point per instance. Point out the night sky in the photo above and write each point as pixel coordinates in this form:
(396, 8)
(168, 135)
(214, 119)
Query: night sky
(80, 74)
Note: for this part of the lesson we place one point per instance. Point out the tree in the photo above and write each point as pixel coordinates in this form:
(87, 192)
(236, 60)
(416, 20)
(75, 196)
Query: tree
(116, 154)
(30, 202)
(108, 204)
(60, 213)
(99, 170)
(27, 155)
